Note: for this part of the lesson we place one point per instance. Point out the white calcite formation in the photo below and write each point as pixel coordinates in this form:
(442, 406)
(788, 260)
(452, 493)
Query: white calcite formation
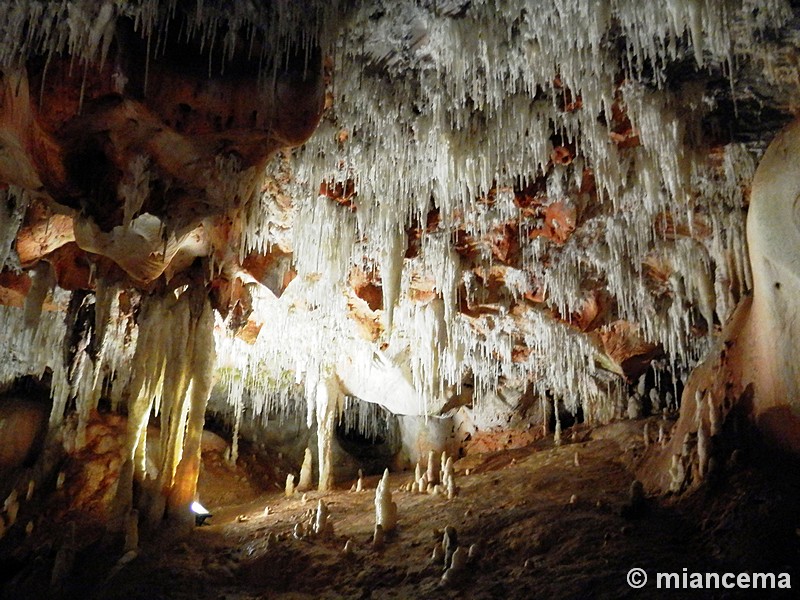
(306, 481)
(322, 526)
(385, 508)
(422, 484)
(426, 349)
(457, 565)
(437, 556)
(470, 122)
(360, 482)
(432, 471)
(703, 451)
(11, 508)
(634, 407)
(449, 544)
(448, 476)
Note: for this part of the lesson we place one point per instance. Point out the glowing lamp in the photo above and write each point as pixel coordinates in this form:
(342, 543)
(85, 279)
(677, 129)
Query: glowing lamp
(200, 513)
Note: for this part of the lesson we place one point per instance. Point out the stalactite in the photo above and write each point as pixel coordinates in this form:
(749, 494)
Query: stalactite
(202, 366)
(508, 98)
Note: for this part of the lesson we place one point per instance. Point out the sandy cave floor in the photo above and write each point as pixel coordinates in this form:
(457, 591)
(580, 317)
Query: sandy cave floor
(536, 540)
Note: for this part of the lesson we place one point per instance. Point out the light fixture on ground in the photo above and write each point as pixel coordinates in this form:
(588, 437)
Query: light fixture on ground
(200, 513)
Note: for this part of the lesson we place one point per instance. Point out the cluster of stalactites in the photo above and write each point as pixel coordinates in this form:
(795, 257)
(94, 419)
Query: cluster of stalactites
(158, 363)
(85, 29)
(476, 113)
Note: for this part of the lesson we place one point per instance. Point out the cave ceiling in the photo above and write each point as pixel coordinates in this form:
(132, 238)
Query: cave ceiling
(420, 198)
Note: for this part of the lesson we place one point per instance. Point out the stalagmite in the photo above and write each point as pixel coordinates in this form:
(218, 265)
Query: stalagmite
(322, 526)
(452, 490)
(360, 482)
(677, 472)
(422, 484)
(714, 418)
(640, 386)
(298, 531)
(305, 472)
(448, 485)
(655, 401)
(634, 407)
(289, 488)
(699, 404)
(328, 402)
(431, 473)
(447, 469)
(437, 557)
(459, 562)
(703, 446)
(11, 507)
(31, 488)
(385, 508)
(449, 544)
(474, 552)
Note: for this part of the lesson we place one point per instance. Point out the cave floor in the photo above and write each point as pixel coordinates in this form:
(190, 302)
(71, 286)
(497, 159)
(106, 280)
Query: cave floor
(546, 527)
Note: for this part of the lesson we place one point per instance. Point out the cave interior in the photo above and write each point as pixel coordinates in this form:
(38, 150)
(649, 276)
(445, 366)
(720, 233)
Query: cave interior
(399, 298)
